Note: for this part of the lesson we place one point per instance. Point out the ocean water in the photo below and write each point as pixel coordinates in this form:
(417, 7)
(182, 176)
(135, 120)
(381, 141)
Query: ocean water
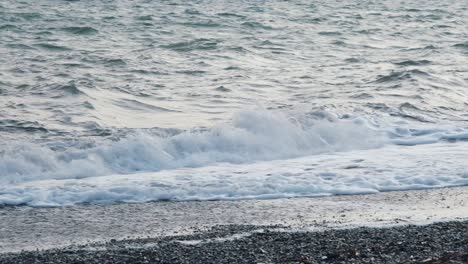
(134, 101)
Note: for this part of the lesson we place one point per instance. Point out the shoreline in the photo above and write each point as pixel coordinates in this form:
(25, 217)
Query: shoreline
(29, 228)
(429, 225)
(445, 242)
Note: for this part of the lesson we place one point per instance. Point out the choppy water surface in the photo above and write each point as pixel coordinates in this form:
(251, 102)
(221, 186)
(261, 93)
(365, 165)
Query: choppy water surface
(116, 88)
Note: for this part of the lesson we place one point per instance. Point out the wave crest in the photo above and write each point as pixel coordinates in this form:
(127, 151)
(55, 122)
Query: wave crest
(251, 136)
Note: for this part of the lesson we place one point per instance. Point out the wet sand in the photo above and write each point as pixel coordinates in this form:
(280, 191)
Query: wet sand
(398, 225)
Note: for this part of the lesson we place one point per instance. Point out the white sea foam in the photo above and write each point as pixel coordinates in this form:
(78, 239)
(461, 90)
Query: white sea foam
(259, 155)
(251, 136)
(354, 172)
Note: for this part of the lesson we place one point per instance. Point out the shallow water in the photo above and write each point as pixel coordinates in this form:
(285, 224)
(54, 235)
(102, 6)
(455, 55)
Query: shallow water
(122, 89)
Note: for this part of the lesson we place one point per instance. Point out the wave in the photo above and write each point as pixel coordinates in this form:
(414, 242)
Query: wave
(413, 63)
(401, 75)
(80, 30)
(354, 172)
(8, 27)
(68, 89)
(21, 125)
(52, 47)
(196, 44)
(252, 138)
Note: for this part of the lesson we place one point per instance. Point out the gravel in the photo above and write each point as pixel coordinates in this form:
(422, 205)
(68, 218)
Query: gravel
(445, 242)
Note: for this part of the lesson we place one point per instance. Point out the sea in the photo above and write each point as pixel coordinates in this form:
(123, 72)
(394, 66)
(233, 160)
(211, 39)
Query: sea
(129, 101)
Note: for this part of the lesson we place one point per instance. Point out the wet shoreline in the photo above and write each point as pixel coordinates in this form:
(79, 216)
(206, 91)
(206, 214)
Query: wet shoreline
(28, 228)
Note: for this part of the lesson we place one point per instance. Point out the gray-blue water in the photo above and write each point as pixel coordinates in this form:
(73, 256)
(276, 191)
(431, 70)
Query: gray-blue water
(94, 88)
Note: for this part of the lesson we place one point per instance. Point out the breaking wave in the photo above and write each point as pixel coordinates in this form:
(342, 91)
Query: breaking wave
(251, 136)
(258, 155)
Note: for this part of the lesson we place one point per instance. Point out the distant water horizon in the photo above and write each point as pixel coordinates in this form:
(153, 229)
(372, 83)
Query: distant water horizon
(136, 101)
